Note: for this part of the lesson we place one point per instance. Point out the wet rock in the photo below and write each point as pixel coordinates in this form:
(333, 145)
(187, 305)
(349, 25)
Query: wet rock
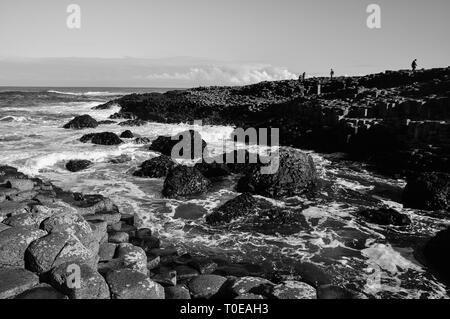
(120, 159)
(42, 291)
(126, 134)
(189, 211)
(213, 170)
(118, 237)
(104, 138)
(135, 122)
(242, 205)
(106, 122)
(177, 292)
(92, 284)
(132, 284)
(80, 122)
(385, 216)
(142, 140)
(78, 165)
(205, 286)
(13, 244)
(156, 167)
(430, 191)
(435, 252)
(185, 272)
(14, 281)
(183, 181)
(165, 144)
(296, 174)
(294, 290)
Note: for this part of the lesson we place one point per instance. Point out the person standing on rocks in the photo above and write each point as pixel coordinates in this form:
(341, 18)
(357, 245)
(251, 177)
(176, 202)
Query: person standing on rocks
(331, 74)
(414, 65)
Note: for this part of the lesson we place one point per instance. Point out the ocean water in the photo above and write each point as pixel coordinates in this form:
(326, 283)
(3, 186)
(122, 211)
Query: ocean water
(379, 261)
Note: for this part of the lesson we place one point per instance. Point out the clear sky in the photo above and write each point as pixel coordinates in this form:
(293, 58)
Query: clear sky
(200, 42)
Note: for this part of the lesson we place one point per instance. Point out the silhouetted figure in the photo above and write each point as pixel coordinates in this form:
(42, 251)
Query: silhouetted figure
(332, 74)
(414, 65)
(304, 76)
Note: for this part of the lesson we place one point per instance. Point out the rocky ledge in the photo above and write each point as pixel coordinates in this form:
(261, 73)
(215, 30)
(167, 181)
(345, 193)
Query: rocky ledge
(397, 120)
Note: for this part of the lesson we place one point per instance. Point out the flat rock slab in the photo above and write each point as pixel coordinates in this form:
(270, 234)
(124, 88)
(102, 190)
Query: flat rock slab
(132, 284)
(14, 281)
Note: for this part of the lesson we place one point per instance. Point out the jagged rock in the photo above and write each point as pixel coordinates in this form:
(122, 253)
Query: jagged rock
(41, 291)
(205, 286)
(142, 140)
(183, 181)
(78, 165)
(240, 206)
(104, 138)
(82, 121)
(132, 284)
(135, 122)
(14, 281)
(296, 174)
(435, 252)
(126, 134)
(385, 216)
(13, 244)
(165, 144)
(189, 211)
(156, 167)
(429, 191)
(92, 284)
(177, 292)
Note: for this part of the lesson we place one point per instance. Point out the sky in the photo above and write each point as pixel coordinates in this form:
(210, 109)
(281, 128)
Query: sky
(183, 43)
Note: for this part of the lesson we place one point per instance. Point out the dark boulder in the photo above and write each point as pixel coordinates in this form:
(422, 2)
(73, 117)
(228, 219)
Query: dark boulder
(78, 165)
(189, 211)
(82, 121)
(142, 140)
(296, 174)
(213, 170)
(385, 216)
(165, 144)
(104, 138)
(156, 167)
(242, 205)
(183, 181)
(106, 122)
(126, 134)
(430, 191)
(436, 254)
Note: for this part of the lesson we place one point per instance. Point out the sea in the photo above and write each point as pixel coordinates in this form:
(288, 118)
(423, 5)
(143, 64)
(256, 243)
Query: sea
(377, 260)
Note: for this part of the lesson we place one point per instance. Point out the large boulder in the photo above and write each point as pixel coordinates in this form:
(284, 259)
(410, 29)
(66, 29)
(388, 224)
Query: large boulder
(77, 165)
(32, 219)
(156, 167)
(13, 244)
(132, 284)
(126, 134)
(436, 254)
(165, 144)
(14, 281)
(92, 284)
(104, 138)
(213, 170)
(430, 191)
(242, 205)
(296, 174)
(184, 181)
(80, 122)
(385, 216)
